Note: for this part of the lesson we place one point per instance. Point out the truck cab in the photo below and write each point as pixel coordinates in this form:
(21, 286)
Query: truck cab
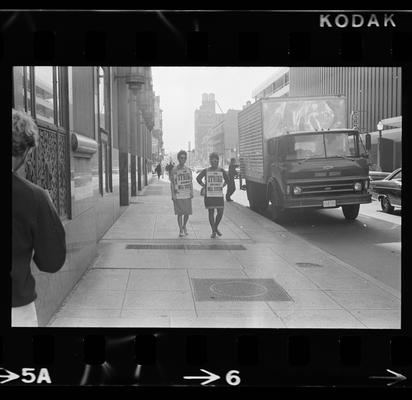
(318, 169)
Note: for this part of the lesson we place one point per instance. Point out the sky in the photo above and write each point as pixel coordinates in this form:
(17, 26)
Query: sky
(180, 90)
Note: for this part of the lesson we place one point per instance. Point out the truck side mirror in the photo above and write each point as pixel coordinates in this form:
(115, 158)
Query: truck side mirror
(368, 141)
(271, 147)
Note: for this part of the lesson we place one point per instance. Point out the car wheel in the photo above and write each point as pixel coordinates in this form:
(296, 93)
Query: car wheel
(386, 205)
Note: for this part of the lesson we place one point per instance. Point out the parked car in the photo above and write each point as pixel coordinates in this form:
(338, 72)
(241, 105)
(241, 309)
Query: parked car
(378, 175)
(388, 191)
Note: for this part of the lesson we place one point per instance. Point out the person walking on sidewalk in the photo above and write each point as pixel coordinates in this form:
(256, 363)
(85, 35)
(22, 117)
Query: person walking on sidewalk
(158, 170)
(216, 179)
(231, 186)
(36, 227)
(181, 184)
(169, 167)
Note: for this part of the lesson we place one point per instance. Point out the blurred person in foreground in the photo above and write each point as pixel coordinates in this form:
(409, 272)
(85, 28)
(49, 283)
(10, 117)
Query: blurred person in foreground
(37, 232)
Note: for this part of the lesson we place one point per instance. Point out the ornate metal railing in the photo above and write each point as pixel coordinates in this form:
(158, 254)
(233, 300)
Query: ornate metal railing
(48, 166)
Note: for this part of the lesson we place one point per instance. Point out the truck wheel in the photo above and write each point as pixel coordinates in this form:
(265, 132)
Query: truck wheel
(256, 196)
(386, 205)
(351, 211)
(276, 211)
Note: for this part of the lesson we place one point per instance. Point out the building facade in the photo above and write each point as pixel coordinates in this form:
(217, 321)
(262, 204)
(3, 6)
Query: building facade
(277, 85)
(223, 138)
(205, 119)
(373, 94)
(94, 153)
(157, 133)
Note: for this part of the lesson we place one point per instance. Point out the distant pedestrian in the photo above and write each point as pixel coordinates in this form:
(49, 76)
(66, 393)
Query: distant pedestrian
(158, 170)
(181, 184)
(36, 227)
(216, 179)
(231, 186)
(169, 167)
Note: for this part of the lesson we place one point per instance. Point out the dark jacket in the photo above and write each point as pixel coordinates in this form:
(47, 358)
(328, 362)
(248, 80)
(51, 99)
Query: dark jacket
(36, 232)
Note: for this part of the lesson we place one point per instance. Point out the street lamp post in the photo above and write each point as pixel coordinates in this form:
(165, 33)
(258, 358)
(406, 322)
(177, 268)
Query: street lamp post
(380, 127)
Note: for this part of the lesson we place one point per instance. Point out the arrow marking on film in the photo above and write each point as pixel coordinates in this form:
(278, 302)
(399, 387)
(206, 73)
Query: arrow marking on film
(10, 376)
(397, 377)
(210, 377)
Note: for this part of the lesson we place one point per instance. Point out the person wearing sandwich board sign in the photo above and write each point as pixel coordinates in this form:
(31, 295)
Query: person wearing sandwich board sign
(216, 180)
(182, 192)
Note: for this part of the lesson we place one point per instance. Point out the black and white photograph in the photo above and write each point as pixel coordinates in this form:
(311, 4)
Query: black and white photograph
(206, 197)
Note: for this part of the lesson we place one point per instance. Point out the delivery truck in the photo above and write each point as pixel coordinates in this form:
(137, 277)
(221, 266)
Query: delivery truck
(297, 152)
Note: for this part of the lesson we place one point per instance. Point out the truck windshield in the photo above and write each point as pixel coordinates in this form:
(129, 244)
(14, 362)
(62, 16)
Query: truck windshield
(321, 145)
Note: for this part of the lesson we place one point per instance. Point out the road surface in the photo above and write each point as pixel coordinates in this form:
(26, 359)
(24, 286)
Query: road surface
(372, 243)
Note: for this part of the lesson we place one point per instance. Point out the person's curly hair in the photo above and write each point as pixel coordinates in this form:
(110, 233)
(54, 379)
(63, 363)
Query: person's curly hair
(25, 133)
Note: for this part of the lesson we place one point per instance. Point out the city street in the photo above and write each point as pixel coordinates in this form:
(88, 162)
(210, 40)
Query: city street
(372, 243)
(258, 274)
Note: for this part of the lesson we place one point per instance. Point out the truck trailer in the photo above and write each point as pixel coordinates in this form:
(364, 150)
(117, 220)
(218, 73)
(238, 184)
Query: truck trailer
(297, 152)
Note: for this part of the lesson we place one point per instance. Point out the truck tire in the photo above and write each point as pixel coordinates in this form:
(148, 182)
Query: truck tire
(386, 205)
(256, 195)
(351, 211)
(276, 211)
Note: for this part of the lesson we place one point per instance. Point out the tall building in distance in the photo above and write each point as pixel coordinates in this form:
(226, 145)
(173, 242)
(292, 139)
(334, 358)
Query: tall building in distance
(157, 132)
(205, 119)
(223, 138)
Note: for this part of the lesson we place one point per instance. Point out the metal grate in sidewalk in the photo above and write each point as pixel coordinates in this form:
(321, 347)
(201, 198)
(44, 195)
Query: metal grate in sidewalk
(238, 290)
(185, 247)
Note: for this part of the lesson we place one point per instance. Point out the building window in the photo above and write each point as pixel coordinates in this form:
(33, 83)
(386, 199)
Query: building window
(104, 136)
(44, 94)
(38, 90)
(102, 99)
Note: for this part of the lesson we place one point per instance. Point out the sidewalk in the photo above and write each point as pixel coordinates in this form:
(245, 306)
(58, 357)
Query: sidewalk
(257, 275)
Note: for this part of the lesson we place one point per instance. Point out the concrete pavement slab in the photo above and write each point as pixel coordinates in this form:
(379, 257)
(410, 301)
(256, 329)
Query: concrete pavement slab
(365, 299)
(114, 322)
(225, 321)
(322, 319)
(84, 298)
(159, 300)
(69, 311)
(379, 319)
(160, 279)
(306, 300)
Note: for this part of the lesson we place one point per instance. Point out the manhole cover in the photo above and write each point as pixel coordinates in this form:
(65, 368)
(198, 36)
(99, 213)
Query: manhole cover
(308, 265)
(238, 290)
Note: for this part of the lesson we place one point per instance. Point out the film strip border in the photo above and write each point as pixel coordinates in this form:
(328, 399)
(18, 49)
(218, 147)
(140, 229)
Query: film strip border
(190, 38)
(200, 38)
(230, 359)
